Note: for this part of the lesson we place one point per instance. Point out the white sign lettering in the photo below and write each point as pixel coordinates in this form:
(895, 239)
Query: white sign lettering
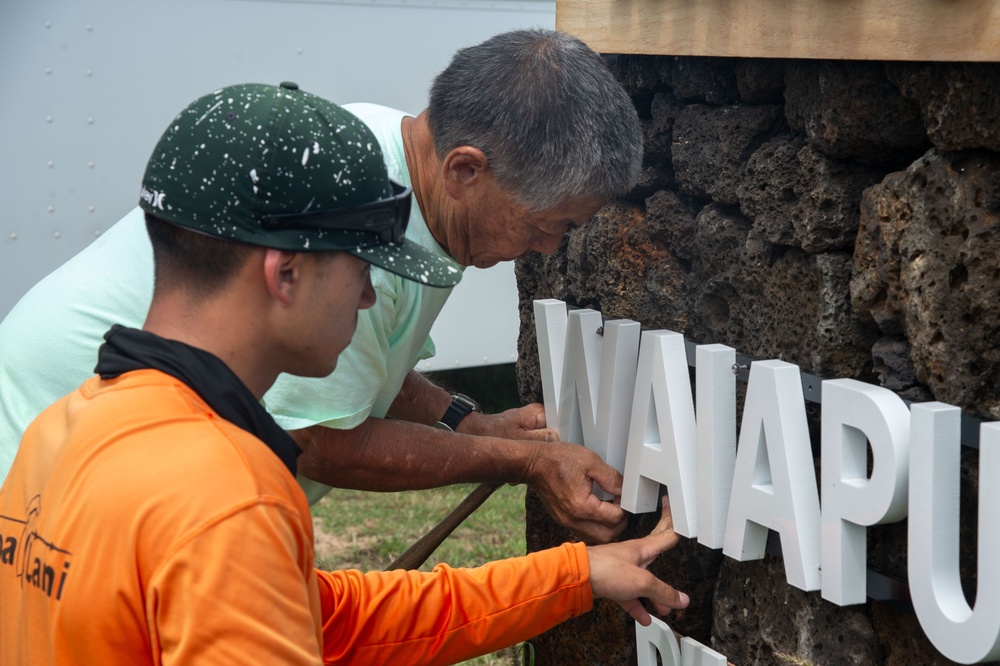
(661, 438)
(854, 414)
(659, 638)
(716, 431)
(774, 486)
(962, 634)
(730, 496)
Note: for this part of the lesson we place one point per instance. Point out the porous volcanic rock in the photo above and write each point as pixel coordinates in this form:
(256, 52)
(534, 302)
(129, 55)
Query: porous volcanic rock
(712, 144)
(926, 267)
(853, 111)
(958, 101)
(796, 195)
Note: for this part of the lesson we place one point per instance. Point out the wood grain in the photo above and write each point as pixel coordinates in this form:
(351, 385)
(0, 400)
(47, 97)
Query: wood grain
(933, 30)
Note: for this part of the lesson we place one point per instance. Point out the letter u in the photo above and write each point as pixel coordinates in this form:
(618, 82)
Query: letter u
(961, 633)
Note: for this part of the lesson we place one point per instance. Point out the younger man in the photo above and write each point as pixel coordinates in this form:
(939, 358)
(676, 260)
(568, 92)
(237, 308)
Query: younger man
(152, 516)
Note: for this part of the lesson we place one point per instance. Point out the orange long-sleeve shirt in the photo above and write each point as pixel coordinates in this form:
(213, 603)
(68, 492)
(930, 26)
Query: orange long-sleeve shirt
(138, 527)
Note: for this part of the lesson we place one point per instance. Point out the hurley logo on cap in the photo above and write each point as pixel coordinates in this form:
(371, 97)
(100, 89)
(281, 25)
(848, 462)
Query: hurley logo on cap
(154, 198)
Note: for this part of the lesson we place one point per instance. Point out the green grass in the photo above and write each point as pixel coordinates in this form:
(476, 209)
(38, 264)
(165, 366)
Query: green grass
(361, 530)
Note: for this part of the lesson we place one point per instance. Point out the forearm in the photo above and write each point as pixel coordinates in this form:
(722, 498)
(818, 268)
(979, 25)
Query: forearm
(450, 615)
(391, 455)
(419, 400)
(511, 447)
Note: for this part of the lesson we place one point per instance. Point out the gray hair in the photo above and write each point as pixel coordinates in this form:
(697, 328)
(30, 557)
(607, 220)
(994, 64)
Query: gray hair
(547, 113)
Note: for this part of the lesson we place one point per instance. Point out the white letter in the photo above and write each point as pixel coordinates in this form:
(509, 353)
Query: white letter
(580, 376)
(715, 386)
(587, 380)
(960, 633)
(550, 332)
(855, 413)
(694, 653)
(662, 438)
(660, 638)
(774, 485)
(656, 638)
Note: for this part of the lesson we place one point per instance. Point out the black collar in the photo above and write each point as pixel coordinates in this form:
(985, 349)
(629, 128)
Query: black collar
(128, 349)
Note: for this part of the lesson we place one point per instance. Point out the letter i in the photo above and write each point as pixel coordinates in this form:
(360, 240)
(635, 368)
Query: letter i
(62, 579)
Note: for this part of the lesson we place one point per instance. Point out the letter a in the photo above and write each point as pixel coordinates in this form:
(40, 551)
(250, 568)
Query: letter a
(662, 437)
(774, 484)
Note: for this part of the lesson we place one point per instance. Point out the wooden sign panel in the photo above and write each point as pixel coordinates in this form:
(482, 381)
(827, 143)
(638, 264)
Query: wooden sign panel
(931, 30)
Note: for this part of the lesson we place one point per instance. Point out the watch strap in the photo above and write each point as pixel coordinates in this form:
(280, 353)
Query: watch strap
(460, 407)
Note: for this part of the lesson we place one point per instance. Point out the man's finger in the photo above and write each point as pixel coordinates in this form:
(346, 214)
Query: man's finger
(608, 479)
(638, 612)
(607, 513)
(541, 435)
(606, 522)
(666, 521)
(539, 415)
(668, 599)
(594, 534)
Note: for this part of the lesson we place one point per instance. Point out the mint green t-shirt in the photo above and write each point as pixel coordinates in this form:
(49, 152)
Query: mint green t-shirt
(49, 341)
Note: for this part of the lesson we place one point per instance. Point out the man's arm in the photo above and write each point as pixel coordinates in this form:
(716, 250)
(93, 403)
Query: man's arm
(421, 401)
(453, 614)
(512, 447)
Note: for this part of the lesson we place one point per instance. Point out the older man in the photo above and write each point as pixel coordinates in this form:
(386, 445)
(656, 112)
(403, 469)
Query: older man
(526, 136)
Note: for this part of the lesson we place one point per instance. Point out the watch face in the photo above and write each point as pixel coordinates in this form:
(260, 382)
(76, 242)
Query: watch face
(472, 405)
(460, 406)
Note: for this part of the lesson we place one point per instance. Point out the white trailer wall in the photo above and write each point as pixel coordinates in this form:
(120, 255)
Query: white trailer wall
(86, 87)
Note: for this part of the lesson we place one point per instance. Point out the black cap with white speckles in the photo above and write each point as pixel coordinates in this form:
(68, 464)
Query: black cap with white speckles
(246, 153)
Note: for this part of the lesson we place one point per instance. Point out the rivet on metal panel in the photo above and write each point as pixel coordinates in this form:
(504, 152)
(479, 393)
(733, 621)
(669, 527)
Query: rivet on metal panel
(51, 164)
(486, 359)
(52, 209)
(57, 235)
(13, 236)
(90, 72)
(91, 208)
(90, 165)
(90, 28)
(48, 24)
(90, 120)
(48, 70)
(97, 232)
(49, 119)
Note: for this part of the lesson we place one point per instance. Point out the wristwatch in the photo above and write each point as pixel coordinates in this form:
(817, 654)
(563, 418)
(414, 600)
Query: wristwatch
(461, 406)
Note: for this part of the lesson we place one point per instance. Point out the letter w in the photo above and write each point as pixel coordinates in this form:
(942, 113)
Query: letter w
(587, 377)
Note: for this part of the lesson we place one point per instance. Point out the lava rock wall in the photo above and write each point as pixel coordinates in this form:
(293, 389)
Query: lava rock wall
(842, 216)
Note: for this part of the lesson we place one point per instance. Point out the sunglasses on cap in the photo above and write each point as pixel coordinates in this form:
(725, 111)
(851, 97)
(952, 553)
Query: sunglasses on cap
(386, 217)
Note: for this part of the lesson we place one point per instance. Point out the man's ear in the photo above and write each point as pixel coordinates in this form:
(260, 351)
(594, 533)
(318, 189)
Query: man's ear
(462, 168)
(282, 273)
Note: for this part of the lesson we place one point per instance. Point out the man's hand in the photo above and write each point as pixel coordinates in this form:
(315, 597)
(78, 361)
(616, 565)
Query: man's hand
(618, 571)
(563, 475)
(526, 422)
